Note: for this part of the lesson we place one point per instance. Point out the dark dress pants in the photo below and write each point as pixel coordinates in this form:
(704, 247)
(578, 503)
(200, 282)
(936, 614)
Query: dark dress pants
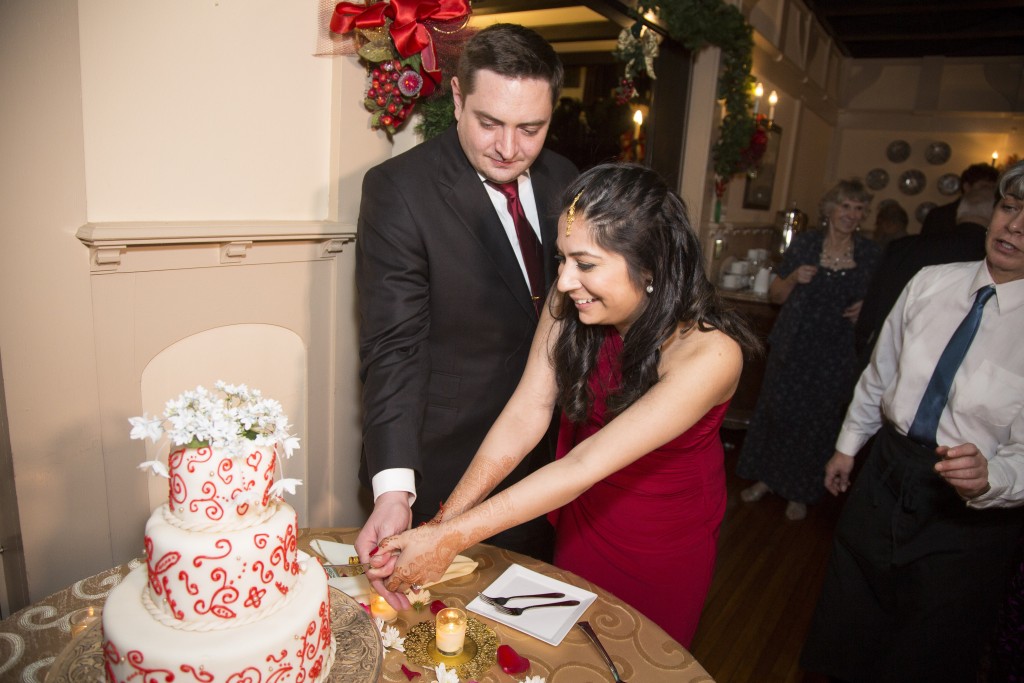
(915, 577)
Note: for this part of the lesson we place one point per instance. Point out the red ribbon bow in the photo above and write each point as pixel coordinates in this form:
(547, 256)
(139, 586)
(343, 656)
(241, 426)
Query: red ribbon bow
(407, 17)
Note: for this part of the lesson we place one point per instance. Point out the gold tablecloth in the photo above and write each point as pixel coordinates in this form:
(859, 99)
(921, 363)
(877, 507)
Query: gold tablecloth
(31, 639)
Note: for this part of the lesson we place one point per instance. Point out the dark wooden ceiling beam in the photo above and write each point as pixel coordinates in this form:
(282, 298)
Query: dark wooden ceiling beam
(848, 9)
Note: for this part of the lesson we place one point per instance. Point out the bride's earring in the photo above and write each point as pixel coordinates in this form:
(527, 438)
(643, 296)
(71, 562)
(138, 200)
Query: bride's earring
(650, 289)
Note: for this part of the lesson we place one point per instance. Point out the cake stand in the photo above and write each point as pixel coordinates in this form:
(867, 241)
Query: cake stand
(359, 656)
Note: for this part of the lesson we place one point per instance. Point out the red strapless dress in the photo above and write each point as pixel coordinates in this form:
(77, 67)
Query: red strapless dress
(649, 532)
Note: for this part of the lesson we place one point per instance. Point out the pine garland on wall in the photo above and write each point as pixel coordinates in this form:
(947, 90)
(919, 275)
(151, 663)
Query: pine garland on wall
(696, 24)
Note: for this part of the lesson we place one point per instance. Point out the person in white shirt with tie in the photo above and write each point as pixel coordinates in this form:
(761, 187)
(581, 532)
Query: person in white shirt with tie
(923, 546)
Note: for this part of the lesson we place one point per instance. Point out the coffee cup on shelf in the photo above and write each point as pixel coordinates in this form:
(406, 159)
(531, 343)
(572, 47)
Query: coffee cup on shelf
(739, 268)
(732, 281)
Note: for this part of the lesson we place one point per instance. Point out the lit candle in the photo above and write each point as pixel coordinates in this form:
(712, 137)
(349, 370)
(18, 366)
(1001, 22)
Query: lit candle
(380, 609)
(81, 619)
(638, 119)
(758, 93)
(995, 158)
(450, 627)
(773, 99)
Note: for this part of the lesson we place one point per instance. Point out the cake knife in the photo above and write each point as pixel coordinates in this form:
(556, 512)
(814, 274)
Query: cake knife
(586, 628)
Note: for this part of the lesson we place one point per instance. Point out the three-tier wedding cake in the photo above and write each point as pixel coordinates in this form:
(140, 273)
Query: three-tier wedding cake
(225, 594)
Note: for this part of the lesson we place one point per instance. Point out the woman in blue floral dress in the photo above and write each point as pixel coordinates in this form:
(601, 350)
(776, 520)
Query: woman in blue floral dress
(812, 365)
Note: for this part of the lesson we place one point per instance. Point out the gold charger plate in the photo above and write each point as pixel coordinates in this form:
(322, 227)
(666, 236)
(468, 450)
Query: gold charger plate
(359, 657)
(478, 655)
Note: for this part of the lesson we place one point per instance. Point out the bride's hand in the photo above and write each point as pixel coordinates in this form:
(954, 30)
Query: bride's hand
(425, 553)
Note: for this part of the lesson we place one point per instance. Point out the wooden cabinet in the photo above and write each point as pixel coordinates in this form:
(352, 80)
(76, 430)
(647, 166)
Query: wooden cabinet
(760, 314)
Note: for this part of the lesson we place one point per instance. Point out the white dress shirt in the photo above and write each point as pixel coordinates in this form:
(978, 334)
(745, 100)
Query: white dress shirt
(986, 402)
(404, 478)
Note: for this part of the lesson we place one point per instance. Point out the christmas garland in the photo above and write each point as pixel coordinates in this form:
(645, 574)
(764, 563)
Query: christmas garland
(695, 24)
(409, 48)
(405, 43)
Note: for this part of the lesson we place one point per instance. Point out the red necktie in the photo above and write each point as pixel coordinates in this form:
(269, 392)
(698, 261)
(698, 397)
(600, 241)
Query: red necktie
(529, 245)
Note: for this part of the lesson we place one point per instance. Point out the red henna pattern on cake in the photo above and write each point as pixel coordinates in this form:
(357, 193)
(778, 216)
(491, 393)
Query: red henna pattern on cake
(248, 675)
(225, 470)
(199, 674)
(221, 543)
(136, 658)
(156, 569)
(214, 511)
(220, 599)
(255, 597)
(326, 635)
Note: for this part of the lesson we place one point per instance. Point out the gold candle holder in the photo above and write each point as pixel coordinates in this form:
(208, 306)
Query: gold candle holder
(81, 619)
(450, 631)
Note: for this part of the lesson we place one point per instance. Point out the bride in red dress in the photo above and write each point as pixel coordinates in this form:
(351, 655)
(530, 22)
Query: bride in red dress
(637, 352)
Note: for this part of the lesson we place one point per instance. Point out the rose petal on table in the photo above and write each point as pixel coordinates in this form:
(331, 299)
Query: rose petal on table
(511, 661)
(410, 674)
(366, 607)
(436, 606)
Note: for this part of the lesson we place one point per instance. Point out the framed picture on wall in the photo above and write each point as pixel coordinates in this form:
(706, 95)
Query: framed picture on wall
(757, 194)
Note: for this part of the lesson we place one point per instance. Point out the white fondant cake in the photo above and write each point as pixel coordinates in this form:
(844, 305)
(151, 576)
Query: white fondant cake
(225, 595)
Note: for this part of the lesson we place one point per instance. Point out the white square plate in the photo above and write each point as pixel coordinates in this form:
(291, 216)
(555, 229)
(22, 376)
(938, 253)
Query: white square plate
(549, 625)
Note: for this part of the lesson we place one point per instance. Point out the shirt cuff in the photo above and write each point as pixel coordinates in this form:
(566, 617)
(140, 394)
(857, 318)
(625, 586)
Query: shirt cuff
(394, 479)
(849, 442)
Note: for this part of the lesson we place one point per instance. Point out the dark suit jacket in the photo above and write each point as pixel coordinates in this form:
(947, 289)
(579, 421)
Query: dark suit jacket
(902, 260)
(941, 219)
(446, 315)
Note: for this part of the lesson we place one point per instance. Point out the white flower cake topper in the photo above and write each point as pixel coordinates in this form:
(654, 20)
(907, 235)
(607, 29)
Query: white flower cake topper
(232, 418)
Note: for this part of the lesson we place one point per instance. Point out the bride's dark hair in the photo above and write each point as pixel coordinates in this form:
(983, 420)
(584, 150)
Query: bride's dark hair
(630, 211)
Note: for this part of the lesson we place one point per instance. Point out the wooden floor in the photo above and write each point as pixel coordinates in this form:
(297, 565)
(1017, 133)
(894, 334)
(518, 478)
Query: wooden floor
(766, 584)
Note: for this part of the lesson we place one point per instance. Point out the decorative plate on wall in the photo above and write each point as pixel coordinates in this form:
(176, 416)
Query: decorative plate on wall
(949, 183)
(877, 178)
(912, 181)
(922, 210)
(897, 151)
(937, 153)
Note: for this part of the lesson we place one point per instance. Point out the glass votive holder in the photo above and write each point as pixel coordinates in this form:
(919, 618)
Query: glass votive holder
(380, 609)
(81, 619)
(450, 631)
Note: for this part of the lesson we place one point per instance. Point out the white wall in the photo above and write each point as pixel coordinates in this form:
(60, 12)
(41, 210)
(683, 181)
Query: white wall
(183, 114)
(46, 331)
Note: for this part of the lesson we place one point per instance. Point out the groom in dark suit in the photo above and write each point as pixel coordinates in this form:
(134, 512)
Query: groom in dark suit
(445, 298)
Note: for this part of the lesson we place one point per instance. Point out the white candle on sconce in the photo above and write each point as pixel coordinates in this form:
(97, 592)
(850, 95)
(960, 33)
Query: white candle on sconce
(995, 158)
(773, 99)
(758, 93)
(450, 631)
(380, 609)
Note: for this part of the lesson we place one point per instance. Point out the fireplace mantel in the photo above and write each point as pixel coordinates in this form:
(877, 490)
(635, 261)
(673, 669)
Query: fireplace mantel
(111, 244)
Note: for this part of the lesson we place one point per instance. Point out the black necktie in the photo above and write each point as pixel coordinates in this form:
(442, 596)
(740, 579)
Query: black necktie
(926, 422)
(529, 245)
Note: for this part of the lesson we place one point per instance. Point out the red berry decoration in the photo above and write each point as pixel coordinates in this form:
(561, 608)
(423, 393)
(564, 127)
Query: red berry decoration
(436, 606)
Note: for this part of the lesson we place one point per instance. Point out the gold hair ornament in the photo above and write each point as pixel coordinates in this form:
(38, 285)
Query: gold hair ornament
(571, 215)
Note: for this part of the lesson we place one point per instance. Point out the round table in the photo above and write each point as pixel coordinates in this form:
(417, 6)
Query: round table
(32, 638)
